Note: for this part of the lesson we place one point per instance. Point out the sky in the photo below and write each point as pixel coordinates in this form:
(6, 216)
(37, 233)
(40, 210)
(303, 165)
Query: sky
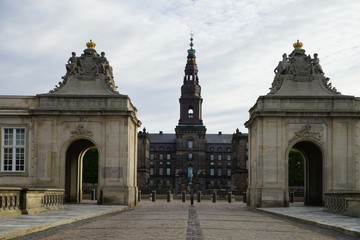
(238, 44)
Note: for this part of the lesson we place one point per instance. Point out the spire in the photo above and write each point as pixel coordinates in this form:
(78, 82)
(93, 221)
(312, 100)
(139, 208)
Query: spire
(191, 51)
(191, 69)
(190, 100)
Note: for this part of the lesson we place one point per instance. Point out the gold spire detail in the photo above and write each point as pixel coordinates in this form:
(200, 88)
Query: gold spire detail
(91, 44)
(298, 44)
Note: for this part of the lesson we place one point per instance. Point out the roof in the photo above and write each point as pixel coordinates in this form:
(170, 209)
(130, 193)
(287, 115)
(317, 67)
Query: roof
(218, 138)
(214, 138)
(162, 137)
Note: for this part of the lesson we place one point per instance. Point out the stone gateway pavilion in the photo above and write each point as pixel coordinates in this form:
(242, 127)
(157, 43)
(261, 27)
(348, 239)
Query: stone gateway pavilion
(45, 137)
(303, 112)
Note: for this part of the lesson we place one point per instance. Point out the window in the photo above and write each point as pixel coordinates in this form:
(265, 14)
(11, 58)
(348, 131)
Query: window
(211, 172)
(228, 149)
(190, 143)
(229, 172)
(219, 157)
(161, 156)
(168, 171)
(190, 156)
(168, 156)
(151, 171)
(212, 157)
(161, 171)
(211, 149)
(228, 157)
(13, 154)
(151, 156)
(191, 113)
(219, 171)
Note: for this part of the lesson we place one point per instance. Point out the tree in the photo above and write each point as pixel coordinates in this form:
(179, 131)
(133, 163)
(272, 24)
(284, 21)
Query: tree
(90, 166)
(296, 168)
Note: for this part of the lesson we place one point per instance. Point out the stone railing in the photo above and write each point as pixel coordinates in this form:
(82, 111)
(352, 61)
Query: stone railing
(53, 199)
(347, 203)
(9, 201)
(16, 201)
(35, 200)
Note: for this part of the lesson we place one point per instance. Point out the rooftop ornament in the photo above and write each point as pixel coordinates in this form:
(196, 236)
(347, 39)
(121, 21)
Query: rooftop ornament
(91, 44)
(298, 44)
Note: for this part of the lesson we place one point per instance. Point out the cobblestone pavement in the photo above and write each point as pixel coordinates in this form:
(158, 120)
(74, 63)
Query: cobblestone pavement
(177, 220)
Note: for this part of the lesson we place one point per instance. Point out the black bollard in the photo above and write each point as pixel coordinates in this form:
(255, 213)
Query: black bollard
(198, 196)
(192, 198)
(291, 198)
(168, 196)
(153, 196)
(214, 197)
(139, 196)
(183, 196)
(244, 197)
(229, 195)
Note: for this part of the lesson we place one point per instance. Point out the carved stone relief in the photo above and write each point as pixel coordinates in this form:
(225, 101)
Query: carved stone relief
(81, 131)
(306, 131)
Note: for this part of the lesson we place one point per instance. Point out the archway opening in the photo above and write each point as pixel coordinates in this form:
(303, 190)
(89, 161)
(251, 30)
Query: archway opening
(90, 169)
(312, 158)
(78, 157)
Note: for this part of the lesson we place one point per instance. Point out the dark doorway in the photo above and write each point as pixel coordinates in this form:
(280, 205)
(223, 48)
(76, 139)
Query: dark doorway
(313, 172)
(74, 169)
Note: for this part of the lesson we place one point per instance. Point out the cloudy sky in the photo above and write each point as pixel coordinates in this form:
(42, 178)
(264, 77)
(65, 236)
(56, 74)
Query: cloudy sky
(238, 44)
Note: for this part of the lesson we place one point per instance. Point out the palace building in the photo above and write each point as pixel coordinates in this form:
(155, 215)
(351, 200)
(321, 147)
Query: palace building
(190, 157)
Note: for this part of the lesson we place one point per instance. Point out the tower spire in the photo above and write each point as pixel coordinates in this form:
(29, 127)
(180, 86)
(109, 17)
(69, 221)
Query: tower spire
(190, 100)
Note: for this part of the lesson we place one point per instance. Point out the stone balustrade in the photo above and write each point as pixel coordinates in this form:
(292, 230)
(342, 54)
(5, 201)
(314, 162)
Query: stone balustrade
(9, 201)
(16, 201)
(346, 203)
(53, 199)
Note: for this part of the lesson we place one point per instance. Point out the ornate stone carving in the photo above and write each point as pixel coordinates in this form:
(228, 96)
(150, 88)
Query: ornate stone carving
(328, 85)
(276, 84)
(299, 67)
(81, 131)
(88, 67)
(306, 132)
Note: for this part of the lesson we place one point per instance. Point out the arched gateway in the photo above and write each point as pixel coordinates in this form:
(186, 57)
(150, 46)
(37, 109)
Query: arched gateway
(304, 112)
(45, 137)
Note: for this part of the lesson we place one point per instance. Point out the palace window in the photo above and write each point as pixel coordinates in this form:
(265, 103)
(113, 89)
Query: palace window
(212, 157)
(211, 172)
(219, 172)
(13, 154)
(190, 156)
(168, 156)
(168, 171)
(229, 172)
(190, 143)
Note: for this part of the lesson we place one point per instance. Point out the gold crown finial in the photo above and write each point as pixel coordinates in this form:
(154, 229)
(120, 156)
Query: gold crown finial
(90, 44)
(298, 44)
